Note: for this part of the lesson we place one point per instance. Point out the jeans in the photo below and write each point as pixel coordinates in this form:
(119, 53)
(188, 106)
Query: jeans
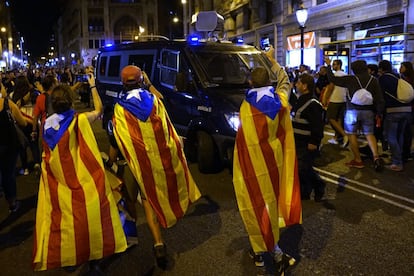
(395, 125)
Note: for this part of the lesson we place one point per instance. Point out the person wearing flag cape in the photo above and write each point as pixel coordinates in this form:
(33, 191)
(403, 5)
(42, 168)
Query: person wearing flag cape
(265, 175)
(151, 147)
(77, 218)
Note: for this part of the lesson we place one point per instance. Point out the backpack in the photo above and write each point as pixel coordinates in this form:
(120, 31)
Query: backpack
(48, 105)
(405, 92)
(362, 96)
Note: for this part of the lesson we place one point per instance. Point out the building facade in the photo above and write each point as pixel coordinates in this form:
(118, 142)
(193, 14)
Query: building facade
(372, 29)
(85, 26)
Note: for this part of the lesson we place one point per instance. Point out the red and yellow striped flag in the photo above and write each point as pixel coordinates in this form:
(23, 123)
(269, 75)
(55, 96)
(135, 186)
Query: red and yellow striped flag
(265, 175)
(77, 218)
(153, 151)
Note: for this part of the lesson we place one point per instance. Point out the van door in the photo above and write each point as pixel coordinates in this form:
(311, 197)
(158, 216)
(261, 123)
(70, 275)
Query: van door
(180, 93)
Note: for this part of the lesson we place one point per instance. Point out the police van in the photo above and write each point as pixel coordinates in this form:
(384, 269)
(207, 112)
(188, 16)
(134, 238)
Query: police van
(203, 83)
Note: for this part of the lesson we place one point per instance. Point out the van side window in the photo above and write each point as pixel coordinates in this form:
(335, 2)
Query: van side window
(143, 61)
(169, 66)
(102, 66)
(114, 63)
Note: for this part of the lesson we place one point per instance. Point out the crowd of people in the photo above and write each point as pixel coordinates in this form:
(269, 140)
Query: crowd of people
(273, 163)
(387, 119)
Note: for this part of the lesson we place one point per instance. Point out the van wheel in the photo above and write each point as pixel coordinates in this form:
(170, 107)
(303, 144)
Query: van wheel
(207, 157)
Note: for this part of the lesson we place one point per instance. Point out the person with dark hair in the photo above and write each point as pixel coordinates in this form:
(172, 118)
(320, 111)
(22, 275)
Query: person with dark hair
(373, 70)
(67, 76)
(77, 218)
(307, 119)
(360, 117)
(22, 97)
(407, 73)
(41, 107)
(321, 83)
(144, 134)
(264, 168)
(335, 98)
(397, 114)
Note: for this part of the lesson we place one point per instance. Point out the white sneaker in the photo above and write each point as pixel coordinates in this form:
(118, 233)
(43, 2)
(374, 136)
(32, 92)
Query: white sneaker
(333, 141)
(26, 172)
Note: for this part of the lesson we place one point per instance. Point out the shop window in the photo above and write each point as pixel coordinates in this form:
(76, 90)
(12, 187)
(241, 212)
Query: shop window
(90, 44)
(96, 43)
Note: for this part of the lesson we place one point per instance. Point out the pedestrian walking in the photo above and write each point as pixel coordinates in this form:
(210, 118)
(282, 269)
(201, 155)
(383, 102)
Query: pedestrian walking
(265, 176)
(151, 147)
(77, 218)
(361, 112)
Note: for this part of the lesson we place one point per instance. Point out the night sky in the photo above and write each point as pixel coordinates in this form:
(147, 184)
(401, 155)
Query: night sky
(35, 21)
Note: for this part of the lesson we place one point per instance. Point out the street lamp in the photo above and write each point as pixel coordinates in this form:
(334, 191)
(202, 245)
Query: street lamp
(301, 17)
(184, 2)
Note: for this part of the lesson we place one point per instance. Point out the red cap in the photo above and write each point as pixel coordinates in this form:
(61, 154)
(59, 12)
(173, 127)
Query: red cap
(131, 74)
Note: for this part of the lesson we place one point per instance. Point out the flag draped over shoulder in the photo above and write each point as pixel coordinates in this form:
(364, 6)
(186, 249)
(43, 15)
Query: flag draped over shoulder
(77, 218)
(152, 148)
(265, 175)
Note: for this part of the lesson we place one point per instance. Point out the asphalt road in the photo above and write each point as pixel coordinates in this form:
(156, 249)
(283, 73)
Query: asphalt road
(365, 227)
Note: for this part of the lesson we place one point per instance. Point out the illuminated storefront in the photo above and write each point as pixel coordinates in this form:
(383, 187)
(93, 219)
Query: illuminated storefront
(293, 50)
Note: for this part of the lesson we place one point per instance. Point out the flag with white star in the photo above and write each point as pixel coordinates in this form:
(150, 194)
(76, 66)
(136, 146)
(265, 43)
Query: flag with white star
(265, 175)
(77, 218)
(154, 154)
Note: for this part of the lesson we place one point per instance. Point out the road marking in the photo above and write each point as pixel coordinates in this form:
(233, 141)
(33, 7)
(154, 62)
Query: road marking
(342, 181)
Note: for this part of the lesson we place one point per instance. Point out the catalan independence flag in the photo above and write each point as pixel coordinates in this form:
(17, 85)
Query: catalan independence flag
(265, 175)
(77, 217)
(152, 149)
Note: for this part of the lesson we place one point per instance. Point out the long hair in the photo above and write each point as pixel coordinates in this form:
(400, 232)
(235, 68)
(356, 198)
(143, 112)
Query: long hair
(21, 88)
(408, 75)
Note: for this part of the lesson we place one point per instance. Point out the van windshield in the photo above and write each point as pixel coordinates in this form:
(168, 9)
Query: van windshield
(224, 68)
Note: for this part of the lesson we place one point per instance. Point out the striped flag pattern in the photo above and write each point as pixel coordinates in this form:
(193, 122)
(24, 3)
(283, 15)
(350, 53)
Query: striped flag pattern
(265, 175)
(153, 151)
(77, 217)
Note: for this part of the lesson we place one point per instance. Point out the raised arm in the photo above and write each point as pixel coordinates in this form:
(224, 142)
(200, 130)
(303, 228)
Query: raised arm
(17, 115)
(151, 87)
(283, 84)
(97, 103)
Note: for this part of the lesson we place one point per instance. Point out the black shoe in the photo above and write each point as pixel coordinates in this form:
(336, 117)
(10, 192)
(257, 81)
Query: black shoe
(95, 269)
(257, 258)
(70, 269)
(160, 253)
(15, 207)
(258, 262)
(379, 164)
(283, 262)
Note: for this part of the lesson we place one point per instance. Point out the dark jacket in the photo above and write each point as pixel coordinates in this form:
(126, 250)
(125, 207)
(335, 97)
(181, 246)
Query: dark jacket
(389, 83)
(313, 114)
(352, 84)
